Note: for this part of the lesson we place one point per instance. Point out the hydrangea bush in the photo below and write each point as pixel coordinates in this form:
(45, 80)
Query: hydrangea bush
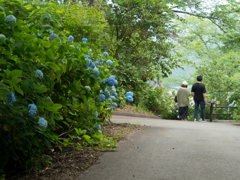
(50, 85)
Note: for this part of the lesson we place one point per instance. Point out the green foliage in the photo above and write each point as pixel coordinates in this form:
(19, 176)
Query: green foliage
(137, 38)
(60, 93)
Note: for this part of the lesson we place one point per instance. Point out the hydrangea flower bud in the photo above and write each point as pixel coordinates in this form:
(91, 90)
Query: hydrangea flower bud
(88, 88)
(11, 98)
(42, 123)
(84, 40)
(11, 19)
(105, 54)
(38, 74)
(102, 98)
(32, 110)
(70, 38)
(2, 37)
(96, 114)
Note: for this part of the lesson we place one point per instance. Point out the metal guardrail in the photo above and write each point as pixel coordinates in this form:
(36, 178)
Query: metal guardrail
(211, 103)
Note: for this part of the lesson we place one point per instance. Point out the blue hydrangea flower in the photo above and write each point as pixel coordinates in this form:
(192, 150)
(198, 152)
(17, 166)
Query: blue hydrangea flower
(2, 37)
(115, 94)
(74, 59)
(42, 123)
(109, 142)
(84, 40)
(103, 81)
(107, 93)
(102, 98)
(101, 60)
(89, 49)
(97, 128)
(38, 74)
(105, 54)
(115, 82)
(90, 64)
(96, 72)
(96, 114)
(129, 98)
(87, 57)
(129, 94)
(114, 105)
(11, 19)
(32, 110)
(52, 36)
(109, 62)
(77, 48)
(98, 63)
(70, 38)
(113, 98)
(113, 89)
(38, 34)
(111, 108)
(109, 100)
(88, 88)
(11, 98)
(110, 81)
(113, 66)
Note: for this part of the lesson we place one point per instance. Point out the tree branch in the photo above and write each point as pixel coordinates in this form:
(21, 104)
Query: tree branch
(200, 37)
(197, 15)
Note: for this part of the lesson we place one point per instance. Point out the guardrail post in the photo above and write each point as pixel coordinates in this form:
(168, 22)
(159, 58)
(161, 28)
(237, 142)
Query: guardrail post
(211, 112)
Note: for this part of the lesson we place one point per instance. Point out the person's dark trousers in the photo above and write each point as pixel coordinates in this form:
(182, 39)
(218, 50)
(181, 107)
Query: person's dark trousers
(202, 104)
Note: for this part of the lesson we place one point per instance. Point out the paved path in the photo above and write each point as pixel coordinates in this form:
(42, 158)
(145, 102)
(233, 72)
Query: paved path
(172, 150)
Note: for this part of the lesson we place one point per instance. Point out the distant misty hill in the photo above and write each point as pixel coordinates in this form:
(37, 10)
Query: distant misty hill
(184, 73)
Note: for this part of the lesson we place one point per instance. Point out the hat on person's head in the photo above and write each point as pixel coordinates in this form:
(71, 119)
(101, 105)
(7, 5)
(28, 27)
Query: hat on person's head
(184, 83)
(199, 78)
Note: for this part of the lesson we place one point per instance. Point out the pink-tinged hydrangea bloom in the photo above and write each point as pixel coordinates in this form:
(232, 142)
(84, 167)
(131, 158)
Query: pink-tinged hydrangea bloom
(164, 100)
(171, 95)
(166, 96)
(167, 92)
(162, 86)
(155, 81)
(176, 105)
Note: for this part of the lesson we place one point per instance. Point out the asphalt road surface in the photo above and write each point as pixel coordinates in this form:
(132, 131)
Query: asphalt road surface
(172, 150)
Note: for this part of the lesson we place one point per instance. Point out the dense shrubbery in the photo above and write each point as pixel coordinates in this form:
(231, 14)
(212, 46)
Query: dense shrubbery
(53, 90)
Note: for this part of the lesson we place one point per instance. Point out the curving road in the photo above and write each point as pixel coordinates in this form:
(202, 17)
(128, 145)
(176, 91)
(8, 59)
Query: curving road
(172, 150)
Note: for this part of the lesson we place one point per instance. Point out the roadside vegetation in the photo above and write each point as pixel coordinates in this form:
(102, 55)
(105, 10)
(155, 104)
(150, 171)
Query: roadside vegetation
(65, 65)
